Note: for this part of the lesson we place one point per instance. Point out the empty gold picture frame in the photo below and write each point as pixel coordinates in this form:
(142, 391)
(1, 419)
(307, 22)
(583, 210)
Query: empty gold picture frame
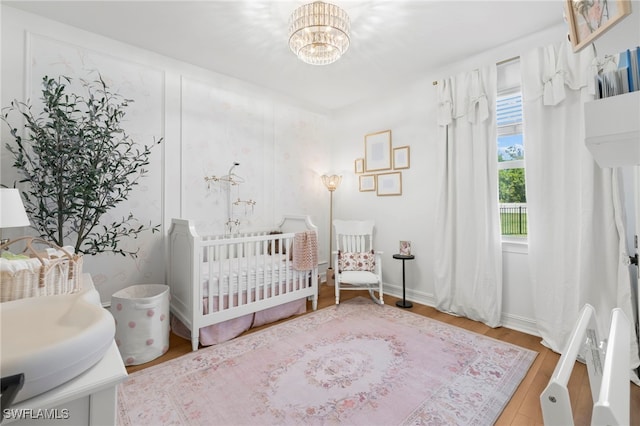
(389, 184)
(401, 158)
(359, 165)
(377, 151)
(367, 183)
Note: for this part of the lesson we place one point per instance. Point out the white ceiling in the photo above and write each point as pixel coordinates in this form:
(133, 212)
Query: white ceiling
(392, 42)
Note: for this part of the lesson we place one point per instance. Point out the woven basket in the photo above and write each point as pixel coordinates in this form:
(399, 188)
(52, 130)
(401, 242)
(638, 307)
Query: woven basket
(39, 275)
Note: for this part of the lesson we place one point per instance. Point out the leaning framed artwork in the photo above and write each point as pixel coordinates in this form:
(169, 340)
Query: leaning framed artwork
(367, 183)
(589, 19)
(389, 184)
(377, 151)
(401, 157)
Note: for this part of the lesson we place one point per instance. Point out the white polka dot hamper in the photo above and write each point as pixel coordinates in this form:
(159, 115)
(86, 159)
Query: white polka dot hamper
(142, 322)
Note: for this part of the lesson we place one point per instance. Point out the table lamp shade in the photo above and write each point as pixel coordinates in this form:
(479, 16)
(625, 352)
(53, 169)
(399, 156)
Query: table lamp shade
(12, 212)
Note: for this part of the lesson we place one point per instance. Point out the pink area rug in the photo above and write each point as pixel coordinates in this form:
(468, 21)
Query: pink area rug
(355, 364)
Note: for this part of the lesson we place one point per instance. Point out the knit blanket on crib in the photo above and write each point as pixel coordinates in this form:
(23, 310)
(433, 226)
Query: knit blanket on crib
(305, 250)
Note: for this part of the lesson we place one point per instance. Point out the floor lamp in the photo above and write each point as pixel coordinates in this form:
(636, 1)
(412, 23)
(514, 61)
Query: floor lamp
(331, 182)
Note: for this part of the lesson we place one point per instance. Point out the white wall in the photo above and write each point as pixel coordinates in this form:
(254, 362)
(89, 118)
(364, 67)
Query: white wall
(208, 121)
(410, 114)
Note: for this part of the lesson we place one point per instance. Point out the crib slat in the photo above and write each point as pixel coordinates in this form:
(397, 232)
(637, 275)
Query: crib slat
(232, 277)
(268, 270)
(275, 272)
(209, 256)
(264, 288)
(250, 271)
(220, 275)
(263, 272)
(286, 285)
(241, 274)
(225, 278)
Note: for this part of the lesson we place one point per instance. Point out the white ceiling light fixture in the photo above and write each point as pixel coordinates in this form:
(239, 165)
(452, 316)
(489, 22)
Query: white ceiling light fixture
(319, 33)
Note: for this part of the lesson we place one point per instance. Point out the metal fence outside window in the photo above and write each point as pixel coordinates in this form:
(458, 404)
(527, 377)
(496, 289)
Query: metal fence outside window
(513, 219)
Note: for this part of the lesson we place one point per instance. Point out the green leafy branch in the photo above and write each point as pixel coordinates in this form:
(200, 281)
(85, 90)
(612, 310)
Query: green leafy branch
(78, 163)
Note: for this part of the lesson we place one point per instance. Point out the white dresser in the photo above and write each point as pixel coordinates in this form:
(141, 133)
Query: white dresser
(89, 399)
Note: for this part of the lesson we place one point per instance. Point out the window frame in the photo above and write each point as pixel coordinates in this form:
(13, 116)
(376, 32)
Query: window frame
(511, 243)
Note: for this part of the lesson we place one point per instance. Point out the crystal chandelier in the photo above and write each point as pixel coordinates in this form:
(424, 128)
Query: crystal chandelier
(319, 33)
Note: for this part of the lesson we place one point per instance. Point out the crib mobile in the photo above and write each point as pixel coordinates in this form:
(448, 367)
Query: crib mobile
(227, 182)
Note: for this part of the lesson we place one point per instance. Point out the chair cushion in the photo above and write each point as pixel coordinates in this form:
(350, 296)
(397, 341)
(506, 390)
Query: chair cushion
(356, 261)
(357, 278)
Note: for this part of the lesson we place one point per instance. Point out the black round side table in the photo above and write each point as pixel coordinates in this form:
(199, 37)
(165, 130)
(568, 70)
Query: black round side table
(403, 303)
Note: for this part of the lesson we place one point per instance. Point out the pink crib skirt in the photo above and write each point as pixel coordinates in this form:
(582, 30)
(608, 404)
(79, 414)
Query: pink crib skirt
(227, 330)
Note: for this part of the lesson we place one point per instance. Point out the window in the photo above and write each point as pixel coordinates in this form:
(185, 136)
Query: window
(511, 173)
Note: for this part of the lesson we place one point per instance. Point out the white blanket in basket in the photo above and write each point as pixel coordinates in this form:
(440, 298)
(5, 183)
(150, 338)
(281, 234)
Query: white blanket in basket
(14, 266)
(16, 263)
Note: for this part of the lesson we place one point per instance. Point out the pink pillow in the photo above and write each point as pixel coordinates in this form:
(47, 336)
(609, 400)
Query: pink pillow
(356, 261)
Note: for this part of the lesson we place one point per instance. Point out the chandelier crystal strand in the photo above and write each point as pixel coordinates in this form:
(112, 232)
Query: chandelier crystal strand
(319, 33)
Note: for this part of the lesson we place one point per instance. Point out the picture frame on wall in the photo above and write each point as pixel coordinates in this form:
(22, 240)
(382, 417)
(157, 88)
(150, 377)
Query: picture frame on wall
(588, 20)
(401, 158)
(377, 151)
(367, 183)
(359, 165)
(389, 184)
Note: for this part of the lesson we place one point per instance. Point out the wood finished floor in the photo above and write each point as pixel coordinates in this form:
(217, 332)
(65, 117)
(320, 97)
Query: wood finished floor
(524, 407)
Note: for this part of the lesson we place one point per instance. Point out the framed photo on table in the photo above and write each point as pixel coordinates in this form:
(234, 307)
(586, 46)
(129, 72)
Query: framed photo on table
(377, 151)
(405, 248)
(588, 20)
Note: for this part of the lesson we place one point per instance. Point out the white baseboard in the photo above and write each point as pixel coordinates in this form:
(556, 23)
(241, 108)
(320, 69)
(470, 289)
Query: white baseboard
(519, 323)
(511, 321)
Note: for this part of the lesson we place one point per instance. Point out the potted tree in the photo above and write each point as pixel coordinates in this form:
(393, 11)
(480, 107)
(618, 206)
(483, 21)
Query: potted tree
(76, 163)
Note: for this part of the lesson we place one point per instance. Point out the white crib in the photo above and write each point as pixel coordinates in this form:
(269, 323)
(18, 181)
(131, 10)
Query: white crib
(220, 279)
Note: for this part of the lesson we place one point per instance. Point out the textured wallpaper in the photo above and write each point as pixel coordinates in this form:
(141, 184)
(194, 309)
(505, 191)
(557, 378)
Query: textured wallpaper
(144, 121)
(278, 147)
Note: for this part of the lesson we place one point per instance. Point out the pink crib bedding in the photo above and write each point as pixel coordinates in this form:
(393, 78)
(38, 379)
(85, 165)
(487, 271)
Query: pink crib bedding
(227, 330)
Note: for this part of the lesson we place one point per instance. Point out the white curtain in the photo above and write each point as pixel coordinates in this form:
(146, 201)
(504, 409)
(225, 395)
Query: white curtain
(576, 226)
(468, 261)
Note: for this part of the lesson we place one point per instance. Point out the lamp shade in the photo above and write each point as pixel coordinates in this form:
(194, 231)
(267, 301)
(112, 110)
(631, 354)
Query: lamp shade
(12, 213)
(331, 181)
